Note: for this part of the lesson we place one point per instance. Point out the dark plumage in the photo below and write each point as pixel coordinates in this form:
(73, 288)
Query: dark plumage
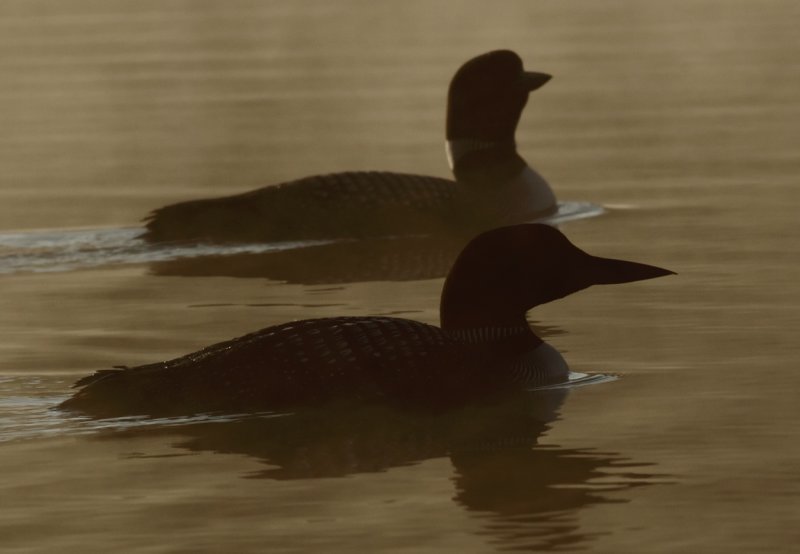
(483, 345)
(494, 185)
(350, 204)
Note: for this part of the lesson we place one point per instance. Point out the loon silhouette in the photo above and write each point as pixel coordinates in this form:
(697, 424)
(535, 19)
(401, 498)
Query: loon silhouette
(484, 343)
(494, 184)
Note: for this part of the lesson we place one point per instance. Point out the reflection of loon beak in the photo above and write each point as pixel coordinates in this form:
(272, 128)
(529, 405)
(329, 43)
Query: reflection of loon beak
(607, 271)
(531, 80)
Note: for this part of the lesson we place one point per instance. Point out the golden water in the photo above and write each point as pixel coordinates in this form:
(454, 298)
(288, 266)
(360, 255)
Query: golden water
(681, 117)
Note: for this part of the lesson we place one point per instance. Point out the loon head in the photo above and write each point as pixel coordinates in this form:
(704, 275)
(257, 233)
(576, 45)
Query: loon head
(503, 273)
(487, 96)
(484, 105)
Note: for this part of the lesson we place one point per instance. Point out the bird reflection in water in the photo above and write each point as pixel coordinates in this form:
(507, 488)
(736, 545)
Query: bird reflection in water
(377, 259)
(524, 494)
(397, 258)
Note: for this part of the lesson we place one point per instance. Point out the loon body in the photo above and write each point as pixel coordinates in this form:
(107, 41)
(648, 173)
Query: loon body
(494, 185)
(484, 343)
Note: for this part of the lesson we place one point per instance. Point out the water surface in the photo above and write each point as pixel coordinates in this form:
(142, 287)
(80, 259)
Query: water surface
(679, 118)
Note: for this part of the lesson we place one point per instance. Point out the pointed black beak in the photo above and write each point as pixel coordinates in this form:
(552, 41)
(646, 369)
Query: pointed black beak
(608, 271)
(531, 80)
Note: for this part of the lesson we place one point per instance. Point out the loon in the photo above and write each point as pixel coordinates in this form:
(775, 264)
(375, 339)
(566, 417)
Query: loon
(483, 345)
(494, 185)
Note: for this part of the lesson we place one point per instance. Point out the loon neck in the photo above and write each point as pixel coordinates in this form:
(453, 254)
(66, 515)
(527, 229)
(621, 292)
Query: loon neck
(481, 326)
(482, 164)
(475, 335)
(501, 185)
(522, 358)
(458, 149)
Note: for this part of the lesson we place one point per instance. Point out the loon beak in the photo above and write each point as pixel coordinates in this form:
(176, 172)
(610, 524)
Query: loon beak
(531, 80)
(608, 271)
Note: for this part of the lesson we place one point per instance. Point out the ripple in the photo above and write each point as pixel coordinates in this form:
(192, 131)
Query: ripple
(27, 410)
(58, 250)
(72, 249)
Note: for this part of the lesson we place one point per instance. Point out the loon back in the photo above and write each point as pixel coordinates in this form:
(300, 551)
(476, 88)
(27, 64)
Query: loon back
(339, 205)
(312, 361)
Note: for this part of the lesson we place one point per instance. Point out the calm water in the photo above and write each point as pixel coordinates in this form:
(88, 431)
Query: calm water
(681, 118)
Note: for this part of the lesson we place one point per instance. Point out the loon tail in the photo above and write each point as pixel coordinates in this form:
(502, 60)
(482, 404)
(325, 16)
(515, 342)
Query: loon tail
(120, 390)
(98, 376)
(210, 219)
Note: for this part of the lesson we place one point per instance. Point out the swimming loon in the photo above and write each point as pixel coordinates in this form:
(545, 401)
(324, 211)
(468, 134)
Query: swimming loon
(494, 184)
(484, 343)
